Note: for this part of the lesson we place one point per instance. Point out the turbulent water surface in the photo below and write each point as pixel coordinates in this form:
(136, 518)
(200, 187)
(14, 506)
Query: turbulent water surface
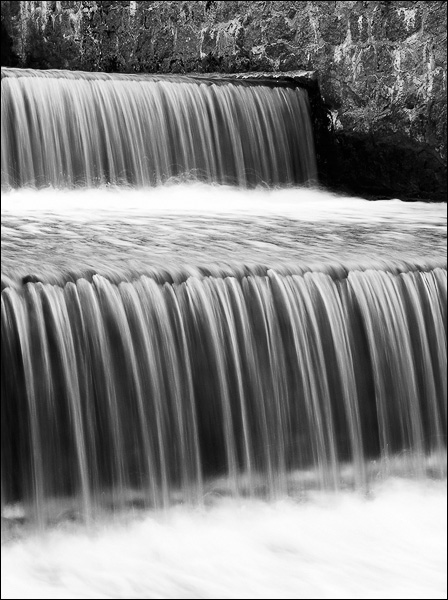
(390, 544)
(117, 232)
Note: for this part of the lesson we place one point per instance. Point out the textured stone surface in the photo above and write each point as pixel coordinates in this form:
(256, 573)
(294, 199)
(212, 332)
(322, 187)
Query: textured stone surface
(381, 65)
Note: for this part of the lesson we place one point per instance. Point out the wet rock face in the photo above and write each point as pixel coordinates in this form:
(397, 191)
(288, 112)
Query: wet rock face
(382, 68)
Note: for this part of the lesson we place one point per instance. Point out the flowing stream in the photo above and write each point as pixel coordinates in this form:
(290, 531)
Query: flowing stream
(173, 332)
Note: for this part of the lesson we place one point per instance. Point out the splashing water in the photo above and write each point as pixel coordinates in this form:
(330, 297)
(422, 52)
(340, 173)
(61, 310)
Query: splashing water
(391, 545)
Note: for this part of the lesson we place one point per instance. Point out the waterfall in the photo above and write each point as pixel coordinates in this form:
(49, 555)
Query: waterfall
(155, 386)
(64, 129)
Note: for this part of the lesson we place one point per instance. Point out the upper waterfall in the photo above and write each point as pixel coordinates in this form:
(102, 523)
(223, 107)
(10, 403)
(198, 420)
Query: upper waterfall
(65, 129)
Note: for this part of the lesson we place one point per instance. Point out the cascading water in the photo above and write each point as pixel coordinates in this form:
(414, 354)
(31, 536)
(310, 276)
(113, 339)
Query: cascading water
(65, 129)
(152, 384)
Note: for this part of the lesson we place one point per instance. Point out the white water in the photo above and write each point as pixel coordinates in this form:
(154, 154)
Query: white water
(389, 545)
(304, 203)
(189, 224)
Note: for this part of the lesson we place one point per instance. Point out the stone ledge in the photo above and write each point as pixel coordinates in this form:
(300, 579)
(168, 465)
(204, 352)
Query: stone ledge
(306, 79)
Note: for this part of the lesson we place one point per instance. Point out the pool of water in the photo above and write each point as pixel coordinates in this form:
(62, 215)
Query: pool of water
(390, 543)
(49, 233)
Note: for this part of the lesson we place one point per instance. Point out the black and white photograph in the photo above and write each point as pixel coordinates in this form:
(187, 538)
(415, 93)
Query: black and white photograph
(224, 300)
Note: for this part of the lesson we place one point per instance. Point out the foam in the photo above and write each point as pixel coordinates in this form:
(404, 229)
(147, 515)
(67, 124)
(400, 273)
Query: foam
(391, 544)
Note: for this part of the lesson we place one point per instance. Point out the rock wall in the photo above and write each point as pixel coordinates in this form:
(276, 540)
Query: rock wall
(381, 66)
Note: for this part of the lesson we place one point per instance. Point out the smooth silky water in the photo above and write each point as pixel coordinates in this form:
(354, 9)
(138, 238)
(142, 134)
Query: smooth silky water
(215, 383)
